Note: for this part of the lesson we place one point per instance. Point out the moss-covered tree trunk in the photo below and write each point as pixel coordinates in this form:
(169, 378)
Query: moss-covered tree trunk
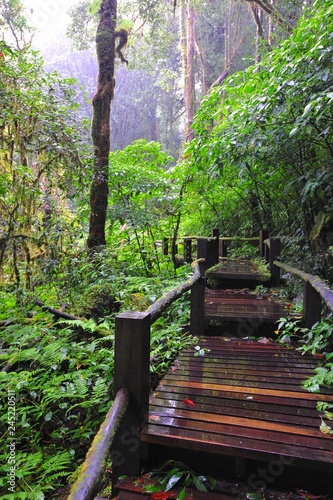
(105, 47)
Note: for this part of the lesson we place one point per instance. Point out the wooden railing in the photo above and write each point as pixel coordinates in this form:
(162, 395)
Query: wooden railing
(92, 471)
(315, 293)
(119, 435)
(217, 246)
(132, 366)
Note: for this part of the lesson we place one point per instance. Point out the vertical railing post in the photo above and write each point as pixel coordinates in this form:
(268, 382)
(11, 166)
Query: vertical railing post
(263, 235)
(202, 248)
(223, 248)
(206, 250)
(197, 321)
(216, 243)
(165, 246)
(274, 253)
(131, 371)
(266, 250)
(311, 305)
(187, 250)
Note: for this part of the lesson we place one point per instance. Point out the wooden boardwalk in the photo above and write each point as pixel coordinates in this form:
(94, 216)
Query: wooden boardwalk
(242, 399)
(229, 400)
(234, 299)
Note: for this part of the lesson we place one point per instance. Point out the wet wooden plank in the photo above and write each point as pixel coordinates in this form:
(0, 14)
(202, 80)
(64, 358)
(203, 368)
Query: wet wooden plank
(235, 400)
(257, 390)
(230, 368)
(260, 412)
(238, 305)
(247, 400)
(243, 270)
(234, 445)
(271, 438)
(241, 426)
(274, 402)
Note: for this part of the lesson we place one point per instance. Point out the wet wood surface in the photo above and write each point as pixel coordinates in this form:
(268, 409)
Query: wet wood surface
(238, 269)
(241, 398)
(237, 305)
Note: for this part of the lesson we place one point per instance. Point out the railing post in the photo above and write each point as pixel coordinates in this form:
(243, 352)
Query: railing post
(263, 235)
(223, 248)
(311, 305)
(202, 248)
(216, 243)
(206, 250)
(131, 371)
(197, 321)
(165, 246)
(274, 253)
(188, 250)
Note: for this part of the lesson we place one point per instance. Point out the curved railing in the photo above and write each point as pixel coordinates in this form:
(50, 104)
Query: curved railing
(93, 468)
(120, 431)
(315, 291)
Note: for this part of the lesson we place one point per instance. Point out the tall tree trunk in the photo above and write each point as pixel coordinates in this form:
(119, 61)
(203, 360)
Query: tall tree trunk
(187, 46)
(258, 19)
(105, 48)
(233, 33)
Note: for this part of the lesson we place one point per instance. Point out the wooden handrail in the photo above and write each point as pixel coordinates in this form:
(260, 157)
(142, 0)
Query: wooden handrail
(156, 309)
(324, 291)
(93, 468)
(228, 238)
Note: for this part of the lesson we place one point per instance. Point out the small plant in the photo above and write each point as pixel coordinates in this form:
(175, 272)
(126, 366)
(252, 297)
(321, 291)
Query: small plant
(318, 339)
(325, 408)
(172, 473)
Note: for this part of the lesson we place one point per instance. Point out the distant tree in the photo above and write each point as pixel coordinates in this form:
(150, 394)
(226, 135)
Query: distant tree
(13, 22)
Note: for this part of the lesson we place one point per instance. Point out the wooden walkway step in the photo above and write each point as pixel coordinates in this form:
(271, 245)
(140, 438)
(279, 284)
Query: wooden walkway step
(241, 398)
(242, 305)
(238, 270)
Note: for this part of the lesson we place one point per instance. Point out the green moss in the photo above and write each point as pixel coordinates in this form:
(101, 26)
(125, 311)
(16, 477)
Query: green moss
(322, 220)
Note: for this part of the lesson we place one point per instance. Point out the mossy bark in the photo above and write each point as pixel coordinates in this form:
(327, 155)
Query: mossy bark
(105, 48)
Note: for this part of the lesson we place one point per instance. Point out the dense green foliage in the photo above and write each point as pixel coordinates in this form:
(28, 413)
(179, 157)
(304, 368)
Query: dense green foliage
(261, 158)
(262, 155)
(62, 378)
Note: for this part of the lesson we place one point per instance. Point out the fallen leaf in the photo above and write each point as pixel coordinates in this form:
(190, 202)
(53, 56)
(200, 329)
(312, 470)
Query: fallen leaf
(188, 402)
(308, 495)
(263, 340)
(325, 429)
(154, 417)
(160, 496)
